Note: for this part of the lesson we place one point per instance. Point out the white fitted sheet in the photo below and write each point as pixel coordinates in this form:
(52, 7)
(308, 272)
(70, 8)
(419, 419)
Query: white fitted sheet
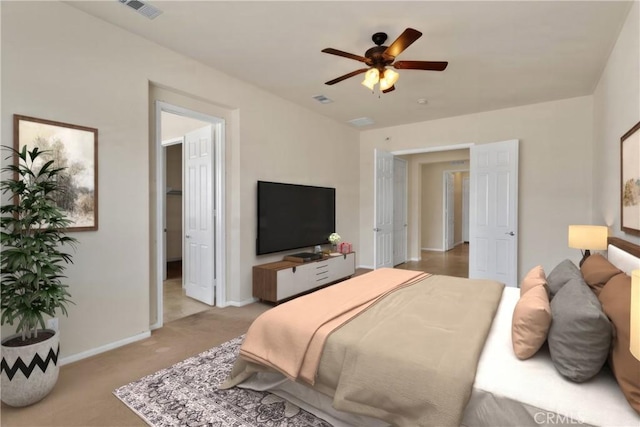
(509, 391)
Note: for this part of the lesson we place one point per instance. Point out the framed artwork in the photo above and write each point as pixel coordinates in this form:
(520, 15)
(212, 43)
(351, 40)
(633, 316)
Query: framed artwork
(630, 181)
(74, 148)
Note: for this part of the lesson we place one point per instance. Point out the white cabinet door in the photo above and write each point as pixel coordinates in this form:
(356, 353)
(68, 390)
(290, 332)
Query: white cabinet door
(292, 281)
(342, 266)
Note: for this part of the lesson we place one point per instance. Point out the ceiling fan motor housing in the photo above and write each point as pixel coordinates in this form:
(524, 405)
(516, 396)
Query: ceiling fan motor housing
(377, 58)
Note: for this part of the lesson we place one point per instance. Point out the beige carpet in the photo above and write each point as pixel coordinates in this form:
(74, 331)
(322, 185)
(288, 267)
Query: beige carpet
(83, 395)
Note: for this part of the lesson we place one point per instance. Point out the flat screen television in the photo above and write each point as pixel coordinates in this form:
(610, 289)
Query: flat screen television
(293, 216)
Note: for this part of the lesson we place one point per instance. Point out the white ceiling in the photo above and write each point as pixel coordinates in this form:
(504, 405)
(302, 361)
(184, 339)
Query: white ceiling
(500, 54)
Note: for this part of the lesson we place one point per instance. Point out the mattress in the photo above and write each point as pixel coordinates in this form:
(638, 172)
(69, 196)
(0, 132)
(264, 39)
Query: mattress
(506, 392)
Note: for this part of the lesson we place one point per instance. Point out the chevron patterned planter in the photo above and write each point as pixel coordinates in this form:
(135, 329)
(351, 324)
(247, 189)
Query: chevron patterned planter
(29, 372)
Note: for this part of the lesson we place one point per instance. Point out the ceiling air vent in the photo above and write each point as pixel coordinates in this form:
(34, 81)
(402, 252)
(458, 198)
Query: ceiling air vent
(322, 99)
(361, 121)
(144, 9)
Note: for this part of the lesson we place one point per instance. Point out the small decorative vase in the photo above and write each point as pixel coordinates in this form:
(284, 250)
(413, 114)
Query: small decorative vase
(334, 247)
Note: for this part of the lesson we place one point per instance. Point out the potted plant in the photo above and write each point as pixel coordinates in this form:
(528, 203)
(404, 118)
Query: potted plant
(32, 262)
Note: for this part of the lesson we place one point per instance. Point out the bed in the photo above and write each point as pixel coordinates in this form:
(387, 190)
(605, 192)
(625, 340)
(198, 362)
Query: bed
(505, 391)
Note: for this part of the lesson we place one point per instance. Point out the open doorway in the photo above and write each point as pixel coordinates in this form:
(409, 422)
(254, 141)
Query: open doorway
(173, 132)
(441, 217)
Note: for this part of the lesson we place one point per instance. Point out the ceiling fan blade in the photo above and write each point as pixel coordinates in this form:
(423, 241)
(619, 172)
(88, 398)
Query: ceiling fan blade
(344, 54)
(346, 76)
(421, 65)
(391, 89)
(404, 41)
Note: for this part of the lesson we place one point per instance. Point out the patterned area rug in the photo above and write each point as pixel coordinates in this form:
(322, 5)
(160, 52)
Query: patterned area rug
(186, 394)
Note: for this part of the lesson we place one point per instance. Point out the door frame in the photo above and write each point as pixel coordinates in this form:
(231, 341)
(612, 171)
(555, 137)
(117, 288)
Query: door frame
(219, 202)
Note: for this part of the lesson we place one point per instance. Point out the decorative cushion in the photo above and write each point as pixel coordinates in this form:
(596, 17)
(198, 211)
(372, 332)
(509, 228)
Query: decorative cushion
(530, 322)
(534, 277)
(597, 271)
(616, 301)
(580, 334)
(560, 275)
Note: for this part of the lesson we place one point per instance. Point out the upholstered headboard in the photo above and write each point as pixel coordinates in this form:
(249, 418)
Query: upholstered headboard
(623, 254)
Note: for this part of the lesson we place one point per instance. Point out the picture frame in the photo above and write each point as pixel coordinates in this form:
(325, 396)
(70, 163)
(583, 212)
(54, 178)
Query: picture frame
(630, 181)
(72, 147)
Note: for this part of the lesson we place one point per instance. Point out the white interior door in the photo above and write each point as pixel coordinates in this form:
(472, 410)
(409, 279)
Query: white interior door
(199, 249)
(493, 228)
(449, 211)
(383, 212)
(399, 211)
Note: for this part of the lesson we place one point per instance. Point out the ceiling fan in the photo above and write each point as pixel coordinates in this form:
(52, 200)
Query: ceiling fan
(379, 57)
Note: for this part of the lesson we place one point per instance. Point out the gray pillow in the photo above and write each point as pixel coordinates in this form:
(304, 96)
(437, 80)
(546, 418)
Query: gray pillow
(580, 334)
(560, 275)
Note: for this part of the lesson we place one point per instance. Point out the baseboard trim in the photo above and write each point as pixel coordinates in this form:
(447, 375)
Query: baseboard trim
(368, 267)
(94, 351)
(433, 249)
(240, 303)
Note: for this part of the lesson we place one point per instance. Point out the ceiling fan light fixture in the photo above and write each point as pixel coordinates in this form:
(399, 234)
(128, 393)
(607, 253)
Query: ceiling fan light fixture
(389, 78)
(371, 78)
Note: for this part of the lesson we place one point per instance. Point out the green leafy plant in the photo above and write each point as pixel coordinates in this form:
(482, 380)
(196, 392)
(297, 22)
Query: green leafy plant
(32, 236)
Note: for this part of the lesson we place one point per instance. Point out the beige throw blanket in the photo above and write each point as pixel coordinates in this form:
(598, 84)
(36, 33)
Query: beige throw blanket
(409, 359)
(289, 338)
(412, 358)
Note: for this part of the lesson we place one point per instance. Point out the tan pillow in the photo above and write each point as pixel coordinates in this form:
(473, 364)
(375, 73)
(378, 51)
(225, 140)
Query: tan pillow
(597, 271)
(534, 277)
(616, 301)
(530, 323)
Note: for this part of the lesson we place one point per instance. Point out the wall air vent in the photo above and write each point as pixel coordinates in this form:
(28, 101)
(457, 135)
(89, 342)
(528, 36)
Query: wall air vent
(144, 9)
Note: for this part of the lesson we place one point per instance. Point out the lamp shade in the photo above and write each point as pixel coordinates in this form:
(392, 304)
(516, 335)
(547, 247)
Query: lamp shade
(371, 78)
(634, 337)
(389, 78)
(588, 237)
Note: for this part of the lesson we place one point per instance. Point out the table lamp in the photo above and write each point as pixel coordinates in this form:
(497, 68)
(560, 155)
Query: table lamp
(587, 237)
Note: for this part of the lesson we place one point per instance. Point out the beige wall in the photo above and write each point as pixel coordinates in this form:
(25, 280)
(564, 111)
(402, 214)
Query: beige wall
(616, 110)
(98, 75)
(554, 175)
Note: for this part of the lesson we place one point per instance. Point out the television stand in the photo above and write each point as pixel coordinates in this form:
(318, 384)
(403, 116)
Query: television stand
(277, 281)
